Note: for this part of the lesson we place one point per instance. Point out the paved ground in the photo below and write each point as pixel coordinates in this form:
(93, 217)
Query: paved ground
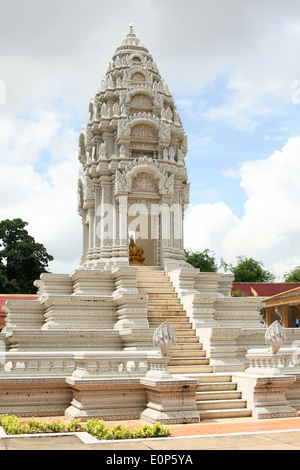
(234, 434)
(267, 441)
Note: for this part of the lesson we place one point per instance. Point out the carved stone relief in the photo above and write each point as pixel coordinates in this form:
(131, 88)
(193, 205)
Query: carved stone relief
(144, 183)
(141, 100)
(143, 131)
(138, 77)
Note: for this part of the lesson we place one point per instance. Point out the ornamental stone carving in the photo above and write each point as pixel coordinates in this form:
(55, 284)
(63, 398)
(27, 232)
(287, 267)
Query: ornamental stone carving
(130, 179)
(275, 336)
(144, 183)
(164, 338)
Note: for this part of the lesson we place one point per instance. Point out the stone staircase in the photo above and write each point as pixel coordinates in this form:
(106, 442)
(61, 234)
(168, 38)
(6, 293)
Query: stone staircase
(217, 395)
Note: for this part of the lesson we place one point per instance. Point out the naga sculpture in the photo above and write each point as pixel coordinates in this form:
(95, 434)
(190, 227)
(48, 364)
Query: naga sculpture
(275, 336)
(164, 338)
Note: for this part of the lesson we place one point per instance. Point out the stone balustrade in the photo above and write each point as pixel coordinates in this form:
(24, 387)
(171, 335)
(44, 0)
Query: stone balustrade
(264, 362)
(119, 364)
(37, 364)
(84, 364)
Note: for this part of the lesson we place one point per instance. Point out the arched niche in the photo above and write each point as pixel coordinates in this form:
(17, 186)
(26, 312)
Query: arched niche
(141, 100)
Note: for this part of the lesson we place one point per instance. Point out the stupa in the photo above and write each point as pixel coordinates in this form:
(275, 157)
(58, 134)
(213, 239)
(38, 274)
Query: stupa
(133, 178)
(125, 334)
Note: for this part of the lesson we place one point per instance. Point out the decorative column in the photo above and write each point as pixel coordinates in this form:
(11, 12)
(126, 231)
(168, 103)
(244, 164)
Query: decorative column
(165, 231)
(285, 316)
(90, 217)
(123, 232)
(85, 240)
(268, 316)
(107, 217)
(155, 232)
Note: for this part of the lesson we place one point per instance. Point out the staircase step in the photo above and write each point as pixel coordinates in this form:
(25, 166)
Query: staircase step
(187, 338)
(174, 324)
(218, 395)
(158, 289)
(189, 361)
(150, 272)
(186, 353)
(148, 277)
(221, 404)
(168, 313)
(194, 346)
(172, 306)
(225, 413)
(182, 321)
(203, 378)
(159, 281)
(182, 332)
(216, 386)
(189, 369)
(172, 296)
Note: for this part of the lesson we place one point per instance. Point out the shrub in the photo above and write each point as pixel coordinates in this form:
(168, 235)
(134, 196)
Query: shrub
(118, 433)
(74, 425)
(11, 424)
(96, 427)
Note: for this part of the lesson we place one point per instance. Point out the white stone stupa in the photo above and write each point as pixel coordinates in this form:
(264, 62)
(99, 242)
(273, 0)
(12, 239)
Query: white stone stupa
(133, 179)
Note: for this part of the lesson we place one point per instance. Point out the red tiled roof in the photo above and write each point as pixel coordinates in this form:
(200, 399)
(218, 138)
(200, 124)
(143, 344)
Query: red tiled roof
(284, 295)
(264, 289)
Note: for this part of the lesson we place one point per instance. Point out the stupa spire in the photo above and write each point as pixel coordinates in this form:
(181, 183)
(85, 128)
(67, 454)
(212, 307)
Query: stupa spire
(131, 33)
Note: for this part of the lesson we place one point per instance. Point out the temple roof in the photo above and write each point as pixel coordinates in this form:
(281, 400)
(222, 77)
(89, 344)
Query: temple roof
(263, 289)
(287, 297)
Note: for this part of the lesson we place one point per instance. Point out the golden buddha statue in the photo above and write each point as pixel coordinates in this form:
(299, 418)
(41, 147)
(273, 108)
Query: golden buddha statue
(135, 254)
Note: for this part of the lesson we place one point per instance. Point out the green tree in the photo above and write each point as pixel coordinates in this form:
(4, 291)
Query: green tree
(205, 260)
(22, 260)
(250, 270)
(238, 293)
(293, 275)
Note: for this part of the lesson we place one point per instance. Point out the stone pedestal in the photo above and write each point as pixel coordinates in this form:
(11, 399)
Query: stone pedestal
(33, 384)
(269, 382)
(110, 399)
(266, 396)
(130, 385)
(34, 396)
(170, 401)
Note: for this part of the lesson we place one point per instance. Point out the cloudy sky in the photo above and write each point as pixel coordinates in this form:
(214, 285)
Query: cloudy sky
(233, 67)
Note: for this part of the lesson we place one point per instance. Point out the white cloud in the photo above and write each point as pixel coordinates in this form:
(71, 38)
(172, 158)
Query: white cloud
(47, 200)
(270, 227)
(246, 102)
(206, 225)
(232, 173)
(271, 220)
(23, 139)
